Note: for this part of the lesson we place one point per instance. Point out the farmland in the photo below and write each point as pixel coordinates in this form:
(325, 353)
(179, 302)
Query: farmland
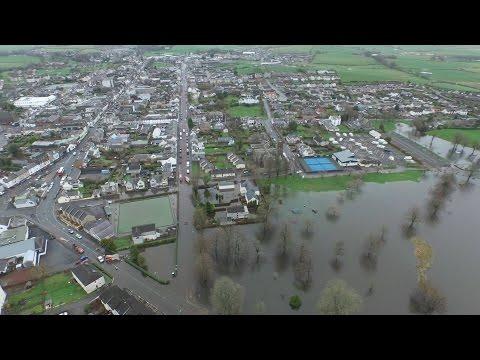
(17, 61)
(449, 134)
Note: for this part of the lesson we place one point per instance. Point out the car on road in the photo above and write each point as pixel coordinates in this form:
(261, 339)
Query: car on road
(64, 313)
(100, 258)
(74, 153)
(78, 236)
(71, 231)
(188, 171)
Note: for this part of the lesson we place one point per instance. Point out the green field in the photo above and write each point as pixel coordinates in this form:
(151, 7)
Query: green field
(389, 125)
(213, 150)
(338, 183)
(17, 61)
(448, 134)
(61, 288)
(141, 212)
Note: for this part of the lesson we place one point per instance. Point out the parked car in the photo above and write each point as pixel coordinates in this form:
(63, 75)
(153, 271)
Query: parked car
(71, 231)
(100, 258)
(78, 236)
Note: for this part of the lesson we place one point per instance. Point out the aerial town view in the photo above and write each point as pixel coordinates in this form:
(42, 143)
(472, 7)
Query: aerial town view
(239, 179)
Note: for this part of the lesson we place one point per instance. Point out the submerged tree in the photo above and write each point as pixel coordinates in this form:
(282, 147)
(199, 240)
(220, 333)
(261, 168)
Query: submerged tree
(303, 268)
(285, 240)
(339, 299)
(227, 296)
(413, 217)
(333, 212)
(427, 300)
(204, 268)
(339, 251)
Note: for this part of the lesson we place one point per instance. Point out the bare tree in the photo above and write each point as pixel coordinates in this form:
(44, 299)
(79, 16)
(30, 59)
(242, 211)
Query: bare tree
(369, 256)
(285, 239)
(472, 170)
(339, 299)
(457, 139)
(475, 146)
(333, 212)
(203, 245)
(303, 268)
(307, 230)
(204, 268)
(413, 217)
(227, 296)
(339, 251)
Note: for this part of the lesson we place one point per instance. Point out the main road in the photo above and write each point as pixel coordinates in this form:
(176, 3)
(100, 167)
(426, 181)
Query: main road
(276, 137)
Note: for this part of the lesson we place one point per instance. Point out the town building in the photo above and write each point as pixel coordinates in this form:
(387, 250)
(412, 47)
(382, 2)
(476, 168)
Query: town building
(141, 233)
(345, 158)
(89, 278)
(237, 212)
(122, 302)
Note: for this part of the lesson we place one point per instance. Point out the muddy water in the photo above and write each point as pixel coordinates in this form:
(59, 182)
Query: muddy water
(455, 240)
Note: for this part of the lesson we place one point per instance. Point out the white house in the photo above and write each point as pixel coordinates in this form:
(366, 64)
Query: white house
(141, 233)
(237, 212)
(88, 278)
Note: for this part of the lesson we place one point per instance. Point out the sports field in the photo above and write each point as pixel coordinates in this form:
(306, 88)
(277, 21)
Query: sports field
(156, 211)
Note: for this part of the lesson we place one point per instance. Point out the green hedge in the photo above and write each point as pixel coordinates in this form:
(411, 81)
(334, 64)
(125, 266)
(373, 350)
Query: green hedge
(146, 273)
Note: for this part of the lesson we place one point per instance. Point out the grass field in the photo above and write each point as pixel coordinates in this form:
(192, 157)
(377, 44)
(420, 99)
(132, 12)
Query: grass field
(338, 183)
(141, 212)
(389, 125)
(246, 111)
(17, 61)
(61, 288)
(448, 134)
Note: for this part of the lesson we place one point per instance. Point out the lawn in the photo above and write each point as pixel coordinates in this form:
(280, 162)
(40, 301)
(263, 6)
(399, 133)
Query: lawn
(220, 162)
(61, 288)
(156, 211)
(17, 61)
(218, 150)
(246, 111)
(338, 183)
(123, 243)
(448, 134)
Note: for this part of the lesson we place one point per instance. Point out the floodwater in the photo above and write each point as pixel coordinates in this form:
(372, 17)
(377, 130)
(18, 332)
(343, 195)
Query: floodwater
(454, 239)
(440, 146)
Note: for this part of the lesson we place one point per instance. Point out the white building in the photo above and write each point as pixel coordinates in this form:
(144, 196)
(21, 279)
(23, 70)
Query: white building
(33, 102)
(375, 134)
(88, 278)
(108, 83)
(336, 120)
